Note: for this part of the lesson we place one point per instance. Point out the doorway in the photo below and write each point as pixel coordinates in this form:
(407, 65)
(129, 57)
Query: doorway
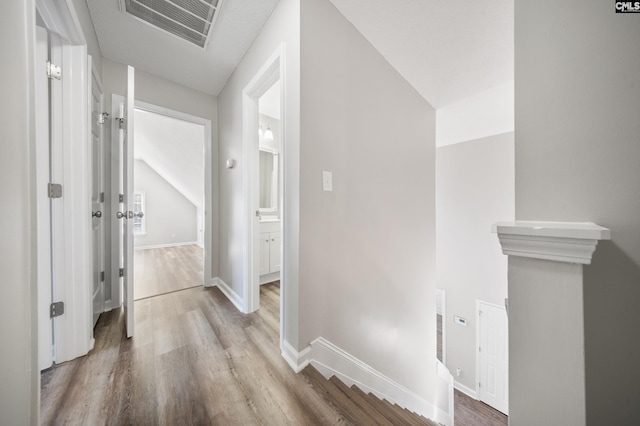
(169, 204)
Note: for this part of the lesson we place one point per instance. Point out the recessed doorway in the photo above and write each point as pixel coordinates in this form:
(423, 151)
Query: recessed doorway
(169, 204)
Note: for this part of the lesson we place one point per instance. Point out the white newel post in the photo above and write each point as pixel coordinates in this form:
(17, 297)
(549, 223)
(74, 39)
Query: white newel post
(546, 318)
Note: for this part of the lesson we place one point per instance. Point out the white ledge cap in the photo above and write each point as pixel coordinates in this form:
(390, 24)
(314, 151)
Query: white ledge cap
(573, 242)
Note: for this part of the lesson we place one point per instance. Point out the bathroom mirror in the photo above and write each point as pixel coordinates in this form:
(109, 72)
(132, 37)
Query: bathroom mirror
(268, 180)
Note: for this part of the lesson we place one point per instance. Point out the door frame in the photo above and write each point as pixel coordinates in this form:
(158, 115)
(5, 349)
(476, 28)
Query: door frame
(477, 351)
(116, 291)
(71, 217)
(208, 248)
(101, 175)
(272, 70)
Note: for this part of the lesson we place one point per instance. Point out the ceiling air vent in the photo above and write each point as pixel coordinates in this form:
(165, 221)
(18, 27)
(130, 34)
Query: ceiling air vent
(191, 20)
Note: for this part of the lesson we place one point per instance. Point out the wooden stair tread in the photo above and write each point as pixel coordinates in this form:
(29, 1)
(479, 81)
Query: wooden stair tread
(333, 396)
(374, 414)
(385, 409)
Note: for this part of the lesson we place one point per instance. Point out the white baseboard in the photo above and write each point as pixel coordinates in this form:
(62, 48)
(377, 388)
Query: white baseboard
(212, 282)
(188, 243)
(296, 360)
(231, 295)
(267, 278)
(466, 390)
(330, 360)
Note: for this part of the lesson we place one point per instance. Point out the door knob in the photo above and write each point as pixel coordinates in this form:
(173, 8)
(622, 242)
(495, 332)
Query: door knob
(97, 214)
(139, 214)
(121, 215)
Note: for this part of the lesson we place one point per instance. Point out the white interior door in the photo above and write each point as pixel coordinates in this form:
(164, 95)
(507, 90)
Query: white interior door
(126, 213)
(96, 99)
(493, 355)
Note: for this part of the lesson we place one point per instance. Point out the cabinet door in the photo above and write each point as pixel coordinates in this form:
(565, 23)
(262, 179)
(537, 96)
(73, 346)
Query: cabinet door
(264, 253)
(274, 252)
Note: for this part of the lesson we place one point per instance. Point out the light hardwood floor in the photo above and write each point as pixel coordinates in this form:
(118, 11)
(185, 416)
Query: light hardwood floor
(163, 270)
(195, 360)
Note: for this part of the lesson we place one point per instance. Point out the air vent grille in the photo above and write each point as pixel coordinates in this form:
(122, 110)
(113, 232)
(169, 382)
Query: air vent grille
(191, 20)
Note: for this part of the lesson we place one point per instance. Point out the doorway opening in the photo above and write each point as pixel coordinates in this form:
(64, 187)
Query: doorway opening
(169, 204)
(260, 125)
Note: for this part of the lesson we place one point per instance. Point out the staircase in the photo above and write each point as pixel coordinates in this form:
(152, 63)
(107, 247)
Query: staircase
(359, 408)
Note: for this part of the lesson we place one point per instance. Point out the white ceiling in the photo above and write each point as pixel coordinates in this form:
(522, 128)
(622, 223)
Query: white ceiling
(446, 50)
(128, 40)
(174, 149)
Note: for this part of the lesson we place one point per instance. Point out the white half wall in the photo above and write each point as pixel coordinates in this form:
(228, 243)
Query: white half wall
(170, 218)
(475, 185)
(487, 113)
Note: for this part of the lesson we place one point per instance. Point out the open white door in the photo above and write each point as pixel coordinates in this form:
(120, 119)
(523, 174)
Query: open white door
(126, 213)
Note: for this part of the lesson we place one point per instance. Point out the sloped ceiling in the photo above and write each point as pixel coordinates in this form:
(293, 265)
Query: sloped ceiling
(447, 50)
(174, 149)
(125, 39)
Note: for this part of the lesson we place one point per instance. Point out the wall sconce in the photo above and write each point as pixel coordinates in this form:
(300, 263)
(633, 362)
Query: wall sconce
(268, 134)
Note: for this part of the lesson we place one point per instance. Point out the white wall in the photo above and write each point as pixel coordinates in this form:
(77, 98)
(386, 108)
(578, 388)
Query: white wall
(282, 27)
(483, 114)
(19, 375)
(170, 218)
(577, 159)
(475, 187)
(93, 47)
(367, 249)
(158, 91)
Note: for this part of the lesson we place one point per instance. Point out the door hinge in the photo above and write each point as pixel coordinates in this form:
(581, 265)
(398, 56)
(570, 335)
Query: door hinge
(56, 309)
(479, 349)
(54, 71)
(102, 197)
(102, 117)
(101, 276)
(479, 384)
(121, 198)
(121, 122)
(54, 190)
(121, 272)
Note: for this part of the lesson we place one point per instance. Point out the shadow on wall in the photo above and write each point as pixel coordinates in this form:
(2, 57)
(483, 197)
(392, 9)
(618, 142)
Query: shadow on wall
(612, 339)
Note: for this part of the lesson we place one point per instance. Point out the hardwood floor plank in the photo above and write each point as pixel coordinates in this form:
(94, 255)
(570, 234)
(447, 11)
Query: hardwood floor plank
(195, 360)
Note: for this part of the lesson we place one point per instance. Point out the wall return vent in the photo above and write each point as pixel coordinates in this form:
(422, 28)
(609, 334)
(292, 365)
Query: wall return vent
(191, 20)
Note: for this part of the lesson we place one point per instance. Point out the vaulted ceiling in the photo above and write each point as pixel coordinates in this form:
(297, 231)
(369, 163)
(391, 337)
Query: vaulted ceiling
(174, 149)
(446, 50)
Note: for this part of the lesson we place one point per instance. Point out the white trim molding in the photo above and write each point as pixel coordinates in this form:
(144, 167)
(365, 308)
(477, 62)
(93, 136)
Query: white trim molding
(154, 246)
(228, 292)
(330, 360)
(571, 242)
(296, 360)
(465, 390)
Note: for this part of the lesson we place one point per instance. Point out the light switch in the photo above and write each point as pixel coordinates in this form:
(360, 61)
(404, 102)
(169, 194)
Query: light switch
(327, 181)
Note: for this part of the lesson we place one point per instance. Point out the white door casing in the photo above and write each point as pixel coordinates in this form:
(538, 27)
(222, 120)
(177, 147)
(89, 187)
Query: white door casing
(493, 356)
(45, 330)
(127, 132)
(96, 138)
